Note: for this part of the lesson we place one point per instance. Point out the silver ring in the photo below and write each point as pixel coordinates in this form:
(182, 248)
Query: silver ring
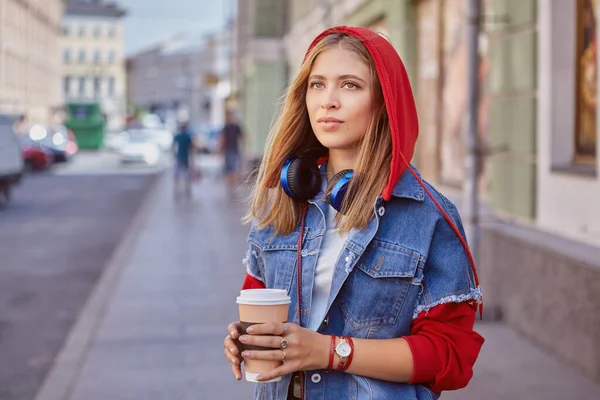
(283, 357)
(284, 344)
(285, 328)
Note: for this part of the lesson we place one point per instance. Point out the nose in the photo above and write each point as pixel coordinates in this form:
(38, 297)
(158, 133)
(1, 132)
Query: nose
(330, 101)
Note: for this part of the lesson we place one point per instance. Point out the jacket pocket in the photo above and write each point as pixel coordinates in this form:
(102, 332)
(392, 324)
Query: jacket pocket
(381, 285)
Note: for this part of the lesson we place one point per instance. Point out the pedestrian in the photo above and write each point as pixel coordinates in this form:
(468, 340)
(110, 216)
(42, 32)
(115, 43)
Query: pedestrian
(231, 141)
(183, 148)
(383, 286)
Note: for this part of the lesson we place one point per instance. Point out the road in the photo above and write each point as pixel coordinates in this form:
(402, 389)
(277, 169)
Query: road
(55, 238)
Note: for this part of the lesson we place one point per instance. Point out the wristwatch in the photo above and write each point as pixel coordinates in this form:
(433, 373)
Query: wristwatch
(344, 351)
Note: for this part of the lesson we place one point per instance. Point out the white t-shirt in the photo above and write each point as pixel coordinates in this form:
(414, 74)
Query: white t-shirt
(331, 247)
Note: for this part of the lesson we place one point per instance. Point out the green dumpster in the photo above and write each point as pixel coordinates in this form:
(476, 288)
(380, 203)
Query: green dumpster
(87, 123)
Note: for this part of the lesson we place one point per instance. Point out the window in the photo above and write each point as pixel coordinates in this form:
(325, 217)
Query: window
(112, 31)
(81, 86)
(97, 57)
(66, 30)
(111, 86)
(97, 88)
(67, 85)
(81, 57)
(97, 31)
(111, 57)
(67, 56)
(81, 30)
(586, 83)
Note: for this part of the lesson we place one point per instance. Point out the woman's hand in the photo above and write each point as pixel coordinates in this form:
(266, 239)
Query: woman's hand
(299, 348)
(233, 349)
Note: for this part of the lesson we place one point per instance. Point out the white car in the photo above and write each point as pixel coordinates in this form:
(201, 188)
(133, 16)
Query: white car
(162, 137)
(11, 158)
(139, 149)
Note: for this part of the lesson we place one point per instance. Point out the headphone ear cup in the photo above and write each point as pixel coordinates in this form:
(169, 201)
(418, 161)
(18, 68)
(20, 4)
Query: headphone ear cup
(301, 178)
(337, 188)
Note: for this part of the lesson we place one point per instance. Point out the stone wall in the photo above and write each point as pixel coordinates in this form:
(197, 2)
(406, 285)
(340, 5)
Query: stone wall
(546, 287)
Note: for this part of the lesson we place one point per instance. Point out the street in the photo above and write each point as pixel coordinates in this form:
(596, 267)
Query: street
(162, 333)
(55, 238)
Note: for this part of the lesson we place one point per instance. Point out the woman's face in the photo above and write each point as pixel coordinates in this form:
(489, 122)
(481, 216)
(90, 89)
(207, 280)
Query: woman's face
(339, 99)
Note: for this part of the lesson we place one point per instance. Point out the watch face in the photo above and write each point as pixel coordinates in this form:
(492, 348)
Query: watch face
(343, 349)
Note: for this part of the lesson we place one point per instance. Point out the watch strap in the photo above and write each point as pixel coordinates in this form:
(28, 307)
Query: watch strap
(331, 352)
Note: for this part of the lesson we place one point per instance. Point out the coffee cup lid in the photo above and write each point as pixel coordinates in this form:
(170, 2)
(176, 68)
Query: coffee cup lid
(263, 297)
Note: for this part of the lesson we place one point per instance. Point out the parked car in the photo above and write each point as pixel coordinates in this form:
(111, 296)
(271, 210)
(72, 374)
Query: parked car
(154, 130)
(11, 158)
(139, 148)
(115, 140)
(161, 137)
(36, 156)
(59, 140)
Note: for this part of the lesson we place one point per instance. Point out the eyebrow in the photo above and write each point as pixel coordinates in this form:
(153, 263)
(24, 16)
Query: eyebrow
(341, 77)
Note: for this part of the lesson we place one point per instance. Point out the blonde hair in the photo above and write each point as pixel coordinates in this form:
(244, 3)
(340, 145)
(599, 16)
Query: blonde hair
(292, 134)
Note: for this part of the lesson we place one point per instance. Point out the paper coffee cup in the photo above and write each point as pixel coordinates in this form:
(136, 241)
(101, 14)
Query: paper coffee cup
(258, 306)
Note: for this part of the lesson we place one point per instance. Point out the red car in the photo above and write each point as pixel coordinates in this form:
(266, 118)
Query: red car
(36, 157)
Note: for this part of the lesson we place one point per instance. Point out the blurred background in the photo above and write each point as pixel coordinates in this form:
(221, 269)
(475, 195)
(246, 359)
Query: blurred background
(115, 286)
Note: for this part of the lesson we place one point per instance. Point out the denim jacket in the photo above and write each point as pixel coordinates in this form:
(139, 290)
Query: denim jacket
(406, 261)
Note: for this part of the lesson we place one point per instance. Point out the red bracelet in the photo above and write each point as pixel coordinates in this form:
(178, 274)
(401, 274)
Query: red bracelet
(331, 352)
(351, 343)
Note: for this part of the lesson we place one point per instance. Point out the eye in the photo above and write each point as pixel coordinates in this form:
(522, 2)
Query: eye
(316, 85)
(351, 85)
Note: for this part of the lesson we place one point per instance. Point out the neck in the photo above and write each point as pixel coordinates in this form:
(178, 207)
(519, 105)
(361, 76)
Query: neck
(339, 160)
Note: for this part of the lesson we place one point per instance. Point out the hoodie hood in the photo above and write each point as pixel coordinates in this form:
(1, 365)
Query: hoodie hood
(402, 115)
(398, 96)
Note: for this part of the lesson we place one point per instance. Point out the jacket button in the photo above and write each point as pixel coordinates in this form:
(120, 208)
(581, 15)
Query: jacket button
(381, 211)
(315, 378)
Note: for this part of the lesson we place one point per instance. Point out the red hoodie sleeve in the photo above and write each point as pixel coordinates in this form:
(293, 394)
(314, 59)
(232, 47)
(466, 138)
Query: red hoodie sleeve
(252, 283)
(445, 346)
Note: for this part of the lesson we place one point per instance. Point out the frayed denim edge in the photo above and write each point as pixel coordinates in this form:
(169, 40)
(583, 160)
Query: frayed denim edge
(474, 294)
(249, 270)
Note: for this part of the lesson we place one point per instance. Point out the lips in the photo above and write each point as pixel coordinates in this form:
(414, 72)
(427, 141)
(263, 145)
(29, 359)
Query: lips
(330, 120)
(329, 124)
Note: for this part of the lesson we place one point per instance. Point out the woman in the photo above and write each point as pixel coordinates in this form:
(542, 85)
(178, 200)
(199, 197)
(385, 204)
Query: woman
(383, 288)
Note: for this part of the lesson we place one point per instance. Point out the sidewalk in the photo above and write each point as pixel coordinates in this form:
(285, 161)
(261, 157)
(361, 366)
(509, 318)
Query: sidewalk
(154, 326)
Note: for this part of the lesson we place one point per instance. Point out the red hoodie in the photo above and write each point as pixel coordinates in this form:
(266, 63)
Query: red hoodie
(437, 335)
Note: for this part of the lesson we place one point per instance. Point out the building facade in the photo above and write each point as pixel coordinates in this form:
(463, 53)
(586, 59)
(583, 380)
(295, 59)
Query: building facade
(174, 77)
(541, 259)
(93, 57)
(30, 68)
(260, 68)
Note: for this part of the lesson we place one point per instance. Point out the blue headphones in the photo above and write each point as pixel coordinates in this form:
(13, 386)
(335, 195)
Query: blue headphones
(301, 180)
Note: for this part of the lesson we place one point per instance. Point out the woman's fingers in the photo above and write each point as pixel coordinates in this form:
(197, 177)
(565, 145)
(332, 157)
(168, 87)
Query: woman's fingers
(273, 342)
(233, 330)
(235, 365)
(271, 328)
(231, 345)
(274, 355)
(237, 372)
(232, 349)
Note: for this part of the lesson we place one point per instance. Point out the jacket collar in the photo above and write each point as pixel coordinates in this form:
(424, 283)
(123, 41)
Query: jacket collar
(408, 187)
